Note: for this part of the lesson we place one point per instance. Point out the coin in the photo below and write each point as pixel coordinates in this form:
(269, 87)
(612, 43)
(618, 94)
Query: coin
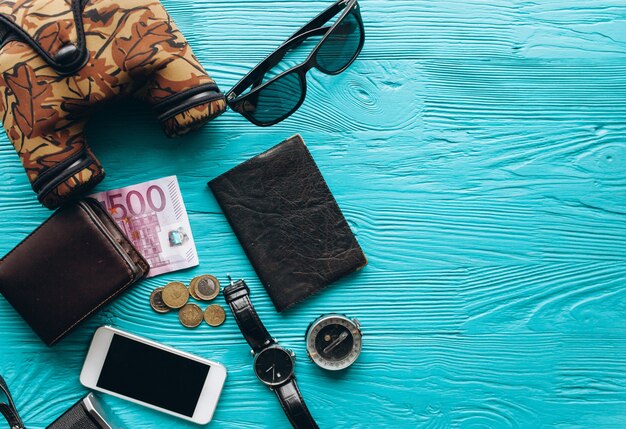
(192, 291)
(156, 301)
(206, 287)
(175, 294)
(214, 315)
(190, 315)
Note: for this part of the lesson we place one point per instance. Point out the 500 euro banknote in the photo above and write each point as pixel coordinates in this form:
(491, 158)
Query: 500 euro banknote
(153, 216)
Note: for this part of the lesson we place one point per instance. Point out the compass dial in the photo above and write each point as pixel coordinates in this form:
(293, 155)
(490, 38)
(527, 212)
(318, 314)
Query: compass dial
(334, 341)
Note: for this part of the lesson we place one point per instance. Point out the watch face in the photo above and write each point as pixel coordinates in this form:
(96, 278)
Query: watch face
(334, 342)
(273, 366)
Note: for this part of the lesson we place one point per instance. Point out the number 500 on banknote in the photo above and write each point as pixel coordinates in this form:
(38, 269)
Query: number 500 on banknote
(154, 218)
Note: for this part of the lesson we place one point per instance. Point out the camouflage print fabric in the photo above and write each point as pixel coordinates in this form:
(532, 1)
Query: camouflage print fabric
(116, 48)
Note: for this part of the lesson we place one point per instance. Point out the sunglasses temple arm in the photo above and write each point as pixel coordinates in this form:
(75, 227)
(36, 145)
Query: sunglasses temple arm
(255, 76)
(321, 19)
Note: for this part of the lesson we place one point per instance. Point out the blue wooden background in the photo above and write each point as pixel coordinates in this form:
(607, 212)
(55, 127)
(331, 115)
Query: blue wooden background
(478, 150)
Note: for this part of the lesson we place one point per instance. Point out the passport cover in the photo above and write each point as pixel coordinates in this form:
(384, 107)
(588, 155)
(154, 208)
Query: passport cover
(288, 222)
(70, 266)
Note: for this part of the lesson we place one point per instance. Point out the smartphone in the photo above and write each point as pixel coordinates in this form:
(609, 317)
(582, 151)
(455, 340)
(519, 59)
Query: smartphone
(152, 374)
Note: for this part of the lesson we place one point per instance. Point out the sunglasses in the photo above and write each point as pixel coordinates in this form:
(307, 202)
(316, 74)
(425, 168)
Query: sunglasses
(268, 103)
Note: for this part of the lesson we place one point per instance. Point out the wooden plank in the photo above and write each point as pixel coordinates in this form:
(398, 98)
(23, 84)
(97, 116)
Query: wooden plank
(410, 29)
(477, 150)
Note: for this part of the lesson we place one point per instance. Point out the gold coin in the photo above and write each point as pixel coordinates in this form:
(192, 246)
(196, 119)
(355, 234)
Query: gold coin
(190, 315)
(175, 295)
(214, 315)
(156, 301)
(192, 291)
(206, 287)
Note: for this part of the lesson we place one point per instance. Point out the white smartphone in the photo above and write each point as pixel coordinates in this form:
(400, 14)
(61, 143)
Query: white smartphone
(154, 375)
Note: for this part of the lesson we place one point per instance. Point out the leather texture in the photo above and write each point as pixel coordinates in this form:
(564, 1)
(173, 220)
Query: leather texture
(75, 418)
(7, 408)
(288, 222)
(237, 295)
(293, 404)
(73, 264)
(59, 59)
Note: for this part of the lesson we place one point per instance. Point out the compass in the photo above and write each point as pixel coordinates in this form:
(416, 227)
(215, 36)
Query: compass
(333, 341)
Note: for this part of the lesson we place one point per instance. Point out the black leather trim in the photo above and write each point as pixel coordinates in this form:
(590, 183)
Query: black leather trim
(177, 103)
(193, 101)
(52, 172)
(8, 410)
(66, 174)
(6, 35)
(237, 296)
(172, 100)
(63, 69)
(293, 404)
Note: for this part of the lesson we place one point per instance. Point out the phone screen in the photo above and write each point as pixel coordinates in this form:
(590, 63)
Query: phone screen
(153, 375)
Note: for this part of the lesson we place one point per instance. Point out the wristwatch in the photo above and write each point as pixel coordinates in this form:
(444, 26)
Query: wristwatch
(273, 364)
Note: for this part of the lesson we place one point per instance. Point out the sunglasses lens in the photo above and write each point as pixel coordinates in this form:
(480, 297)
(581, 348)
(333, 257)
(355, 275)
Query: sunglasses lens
(276, 100)
(342, 45)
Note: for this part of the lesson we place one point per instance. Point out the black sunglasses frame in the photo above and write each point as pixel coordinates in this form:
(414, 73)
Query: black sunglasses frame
(315, 27)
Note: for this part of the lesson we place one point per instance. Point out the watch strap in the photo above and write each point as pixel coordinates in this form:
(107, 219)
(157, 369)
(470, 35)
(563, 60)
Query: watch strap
(237, 296)
(293, 404)
(7, 408)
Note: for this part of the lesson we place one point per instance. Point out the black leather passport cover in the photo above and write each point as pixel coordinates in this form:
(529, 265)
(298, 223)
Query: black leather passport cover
(74, 263)
(288, 222)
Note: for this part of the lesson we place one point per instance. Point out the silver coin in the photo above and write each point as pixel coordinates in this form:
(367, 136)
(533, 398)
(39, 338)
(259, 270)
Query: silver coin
(156, 301)
(206, 287)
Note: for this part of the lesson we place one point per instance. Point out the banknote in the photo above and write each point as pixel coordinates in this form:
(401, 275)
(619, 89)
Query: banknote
(154, 218)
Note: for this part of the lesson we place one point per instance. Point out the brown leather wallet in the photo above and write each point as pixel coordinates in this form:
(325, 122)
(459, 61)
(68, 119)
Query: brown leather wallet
(73, 264)
(288, 222)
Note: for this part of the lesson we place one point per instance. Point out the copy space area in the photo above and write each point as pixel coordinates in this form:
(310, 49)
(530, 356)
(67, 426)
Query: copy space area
(477, 149)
